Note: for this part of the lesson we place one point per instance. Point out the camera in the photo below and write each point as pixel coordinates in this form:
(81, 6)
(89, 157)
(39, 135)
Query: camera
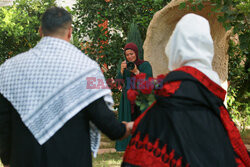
(130, 65)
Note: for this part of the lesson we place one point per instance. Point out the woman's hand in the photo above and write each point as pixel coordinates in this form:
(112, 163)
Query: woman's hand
(135, 70)
(123, 66)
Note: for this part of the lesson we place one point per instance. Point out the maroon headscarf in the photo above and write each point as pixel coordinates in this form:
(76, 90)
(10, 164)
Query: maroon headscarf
(133, 47)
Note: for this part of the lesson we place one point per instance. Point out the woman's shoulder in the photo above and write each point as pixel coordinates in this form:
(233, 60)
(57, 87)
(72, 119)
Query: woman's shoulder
(146, 63)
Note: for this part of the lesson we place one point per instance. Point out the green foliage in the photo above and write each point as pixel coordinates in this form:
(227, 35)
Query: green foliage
(19, 25)
(234, 14)
(145, 10)
(144, 101)
(239, 91)
(106, 45)
(192, 4)
(135, 37)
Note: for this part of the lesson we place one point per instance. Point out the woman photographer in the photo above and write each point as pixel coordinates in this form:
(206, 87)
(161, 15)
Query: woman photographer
(129, 111)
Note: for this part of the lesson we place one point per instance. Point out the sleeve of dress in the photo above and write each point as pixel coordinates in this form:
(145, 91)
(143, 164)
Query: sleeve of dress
(105, 119)
(146, 68)
(119, 75)
(5, 129)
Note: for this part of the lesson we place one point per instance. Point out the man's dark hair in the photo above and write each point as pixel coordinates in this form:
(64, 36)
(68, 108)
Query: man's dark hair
(55, 20)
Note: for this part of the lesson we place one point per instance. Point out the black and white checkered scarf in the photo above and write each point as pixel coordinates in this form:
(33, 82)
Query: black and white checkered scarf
(48, 85)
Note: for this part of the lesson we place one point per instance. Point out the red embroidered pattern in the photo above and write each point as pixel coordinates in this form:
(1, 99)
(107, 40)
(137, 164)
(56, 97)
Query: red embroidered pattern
(239, 162)
(144, 153)
(168, 88)
(212, 86)
(235, 139)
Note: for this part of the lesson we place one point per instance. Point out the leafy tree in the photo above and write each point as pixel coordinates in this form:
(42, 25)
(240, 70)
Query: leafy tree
(19, 25)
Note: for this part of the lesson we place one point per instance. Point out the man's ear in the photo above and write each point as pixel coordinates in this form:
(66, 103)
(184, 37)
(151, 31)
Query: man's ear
(40, 31)
(69, 33)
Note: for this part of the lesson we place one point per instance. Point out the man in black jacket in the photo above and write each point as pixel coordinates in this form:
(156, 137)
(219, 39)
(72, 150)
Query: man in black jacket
(48, 112)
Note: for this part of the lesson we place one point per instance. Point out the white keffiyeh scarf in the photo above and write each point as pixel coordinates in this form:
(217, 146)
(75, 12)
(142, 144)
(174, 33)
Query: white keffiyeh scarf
(48, 85)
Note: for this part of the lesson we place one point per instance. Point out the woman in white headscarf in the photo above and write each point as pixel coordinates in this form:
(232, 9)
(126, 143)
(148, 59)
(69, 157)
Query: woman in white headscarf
(187, 125)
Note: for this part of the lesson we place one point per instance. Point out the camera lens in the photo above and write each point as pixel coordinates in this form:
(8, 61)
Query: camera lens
(130, 65)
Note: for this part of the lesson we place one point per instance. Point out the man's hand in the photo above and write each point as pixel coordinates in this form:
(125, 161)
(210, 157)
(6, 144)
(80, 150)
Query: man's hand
(6, 166)
(129, 127)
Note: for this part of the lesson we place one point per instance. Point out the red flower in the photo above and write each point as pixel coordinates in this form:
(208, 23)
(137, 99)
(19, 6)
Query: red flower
(132, 95)
(151, 79)
(141, 76)
(161, 76)
(147, 87)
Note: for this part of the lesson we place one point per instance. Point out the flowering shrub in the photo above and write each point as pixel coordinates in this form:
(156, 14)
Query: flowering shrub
(143, 92)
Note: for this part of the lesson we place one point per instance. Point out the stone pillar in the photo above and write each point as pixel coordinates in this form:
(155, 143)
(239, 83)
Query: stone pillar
(162, 26)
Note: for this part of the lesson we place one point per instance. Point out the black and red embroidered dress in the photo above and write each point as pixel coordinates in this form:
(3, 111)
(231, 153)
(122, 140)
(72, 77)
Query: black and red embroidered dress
(187, 125)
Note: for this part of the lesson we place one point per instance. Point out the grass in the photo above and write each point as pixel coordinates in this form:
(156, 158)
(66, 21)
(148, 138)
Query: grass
(108, 160)
(107, 145)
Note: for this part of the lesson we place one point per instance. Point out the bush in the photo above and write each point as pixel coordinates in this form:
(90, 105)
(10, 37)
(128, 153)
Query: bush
(19, 26)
